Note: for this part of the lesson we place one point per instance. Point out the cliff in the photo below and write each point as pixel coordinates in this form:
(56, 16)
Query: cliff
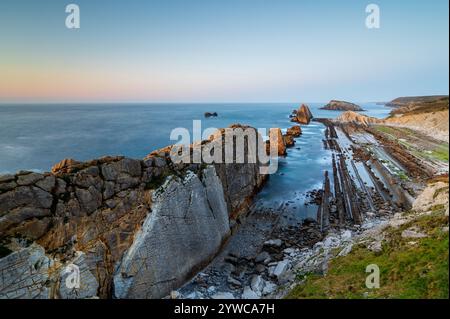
(335, 105)
(135, 228)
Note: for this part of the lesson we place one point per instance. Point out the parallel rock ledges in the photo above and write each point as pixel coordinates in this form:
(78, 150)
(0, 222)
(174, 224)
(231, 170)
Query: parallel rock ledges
(351, 198)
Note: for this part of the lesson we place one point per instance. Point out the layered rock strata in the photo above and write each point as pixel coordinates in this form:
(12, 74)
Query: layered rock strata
(124, 223)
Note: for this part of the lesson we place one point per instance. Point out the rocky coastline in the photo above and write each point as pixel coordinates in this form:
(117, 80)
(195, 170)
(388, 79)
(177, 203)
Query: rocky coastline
(106, 214)
(112, 215)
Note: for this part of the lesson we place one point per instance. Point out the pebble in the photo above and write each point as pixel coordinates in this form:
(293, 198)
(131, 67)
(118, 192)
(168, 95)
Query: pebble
(262, 257)
(273, 242)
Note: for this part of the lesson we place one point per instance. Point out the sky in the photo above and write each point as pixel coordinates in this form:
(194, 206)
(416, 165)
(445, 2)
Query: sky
(222, 51)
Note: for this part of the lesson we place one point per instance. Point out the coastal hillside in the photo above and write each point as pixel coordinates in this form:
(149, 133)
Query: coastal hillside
(428, 115)
(410, 249)
(416, 101)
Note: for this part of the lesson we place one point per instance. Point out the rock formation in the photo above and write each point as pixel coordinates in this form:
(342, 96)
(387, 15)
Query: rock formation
(276, 137)
(294, 131)
(303, 115)
(356, 118)
(209, 114)
(335, 105)
(179, 236)
(288, 140)
(116, 219)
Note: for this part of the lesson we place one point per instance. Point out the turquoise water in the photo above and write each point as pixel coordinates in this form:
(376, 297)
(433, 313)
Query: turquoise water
(34, 137)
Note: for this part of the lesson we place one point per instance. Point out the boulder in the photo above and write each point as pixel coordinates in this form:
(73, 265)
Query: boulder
(294, 131)
(273, 243)
(7, 178)
(281, 268)
(257, 284)
(64, 166)
(269, 287)
(29, 179)
(249, 293)
(288, 140)
(262, 256)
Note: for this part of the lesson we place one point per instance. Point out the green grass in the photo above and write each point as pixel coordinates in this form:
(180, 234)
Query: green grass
(441, 153)
(407, 271)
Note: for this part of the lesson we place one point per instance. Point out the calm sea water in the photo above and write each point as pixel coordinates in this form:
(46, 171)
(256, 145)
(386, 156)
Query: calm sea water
(34, 137)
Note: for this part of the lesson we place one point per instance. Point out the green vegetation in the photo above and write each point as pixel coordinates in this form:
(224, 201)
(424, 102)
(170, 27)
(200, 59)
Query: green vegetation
(410, 268)
(438, 152)
(441, 153)
(420, 105)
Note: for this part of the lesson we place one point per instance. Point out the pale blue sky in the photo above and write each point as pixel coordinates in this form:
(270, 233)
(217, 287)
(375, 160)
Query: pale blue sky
(214, 51)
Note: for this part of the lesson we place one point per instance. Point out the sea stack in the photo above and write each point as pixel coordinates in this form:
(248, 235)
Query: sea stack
(276, 137)
(303, 115)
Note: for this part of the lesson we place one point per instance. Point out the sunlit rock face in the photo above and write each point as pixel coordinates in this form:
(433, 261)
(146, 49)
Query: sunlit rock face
(303, 115)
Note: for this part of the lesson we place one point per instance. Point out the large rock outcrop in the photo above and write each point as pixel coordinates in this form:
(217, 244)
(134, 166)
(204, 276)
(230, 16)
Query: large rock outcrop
(177, 238)
(356, 118)
(303, 115)
(94, 213)
(277, 141)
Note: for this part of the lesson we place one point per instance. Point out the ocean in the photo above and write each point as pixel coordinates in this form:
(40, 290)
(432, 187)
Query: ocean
(35, 137)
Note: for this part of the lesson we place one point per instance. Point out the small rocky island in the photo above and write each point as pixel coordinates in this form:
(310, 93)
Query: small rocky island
(211, 114)
(336, 105)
